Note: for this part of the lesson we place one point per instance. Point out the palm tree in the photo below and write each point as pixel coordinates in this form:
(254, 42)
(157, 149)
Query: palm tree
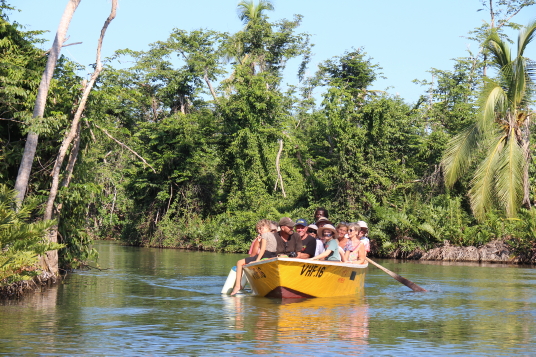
(500, 134)
(248, 11)
(247, 47)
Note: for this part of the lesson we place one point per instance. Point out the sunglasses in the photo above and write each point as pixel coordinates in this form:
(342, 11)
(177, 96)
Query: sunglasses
(327, 234)
(311, 231)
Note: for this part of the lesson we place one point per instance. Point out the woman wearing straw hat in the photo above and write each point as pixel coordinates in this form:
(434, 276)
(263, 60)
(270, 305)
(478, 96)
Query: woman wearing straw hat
(329, 234)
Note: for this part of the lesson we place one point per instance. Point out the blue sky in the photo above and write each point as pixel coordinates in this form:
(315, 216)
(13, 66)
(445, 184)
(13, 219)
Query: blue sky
(406, 38)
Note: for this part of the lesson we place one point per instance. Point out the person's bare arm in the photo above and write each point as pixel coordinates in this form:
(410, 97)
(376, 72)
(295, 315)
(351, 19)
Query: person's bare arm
(254, 247)
(322, 256)
(263, 249)
(343, 255)
(361, 254)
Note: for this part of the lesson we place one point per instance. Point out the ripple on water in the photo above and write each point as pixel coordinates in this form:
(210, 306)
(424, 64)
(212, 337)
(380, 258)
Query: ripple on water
(168, 302)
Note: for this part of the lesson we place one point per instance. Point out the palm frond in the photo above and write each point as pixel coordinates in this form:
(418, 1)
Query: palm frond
(492, 101)
(499, 50)
(509, 176)
(459, 153)
(526, 35)
(483, 183)
(249, 11)
(518, 83)
(530, 65)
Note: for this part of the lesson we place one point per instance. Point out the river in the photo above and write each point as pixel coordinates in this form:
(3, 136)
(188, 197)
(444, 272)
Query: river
(155, 302)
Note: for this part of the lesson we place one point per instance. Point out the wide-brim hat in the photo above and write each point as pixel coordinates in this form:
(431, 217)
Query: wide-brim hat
(328, 227)
(323, 220)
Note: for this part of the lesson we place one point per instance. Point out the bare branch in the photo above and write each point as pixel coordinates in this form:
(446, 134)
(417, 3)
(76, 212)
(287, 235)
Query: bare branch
(76, 120)
(210, 86)
(279, 177)
(125, 146)
(16, 121)
(69, 44)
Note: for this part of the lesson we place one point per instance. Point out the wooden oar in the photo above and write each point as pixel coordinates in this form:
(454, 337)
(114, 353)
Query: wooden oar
(399, 278)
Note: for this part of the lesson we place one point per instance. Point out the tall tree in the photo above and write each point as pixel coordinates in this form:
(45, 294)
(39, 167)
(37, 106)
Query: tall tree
(25, 168)
(501, 130)
(248, 11)
(504, 10)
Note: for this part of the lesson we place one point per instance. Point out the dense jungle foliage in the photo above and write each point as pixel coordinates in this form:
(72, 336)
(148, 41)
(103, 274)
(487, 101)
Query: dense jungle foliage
(211, 113)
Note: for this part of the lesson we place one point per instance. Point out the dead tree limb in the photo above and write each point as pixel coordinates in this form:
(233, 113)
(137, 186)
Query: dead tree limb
(52, 256)
(125, 146)
(67, 45)
(207, 80)
(73, 156)
(16, 121)
(279, 177)
(25, 168)
(74, 126)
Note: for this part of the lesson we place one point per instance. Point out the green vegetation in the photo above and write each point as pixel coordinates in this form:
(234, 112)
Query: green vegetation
(21, 242)
(502, 130)
(200, 137)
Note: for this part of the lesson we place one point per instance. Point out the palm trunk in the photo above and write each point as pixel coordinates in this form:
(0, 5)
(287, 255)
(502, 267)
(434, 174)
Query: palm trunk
(21, 184)
(526, 152)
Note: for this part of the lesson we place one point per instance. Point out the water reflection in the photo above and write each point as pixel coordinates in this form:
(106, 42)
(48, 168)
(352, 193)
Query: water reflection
(168, 302)
(294, 323)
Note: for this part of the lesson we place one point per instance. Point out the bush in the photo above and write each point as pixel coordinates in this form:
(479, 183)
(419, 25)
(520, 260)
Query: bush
(21, 243)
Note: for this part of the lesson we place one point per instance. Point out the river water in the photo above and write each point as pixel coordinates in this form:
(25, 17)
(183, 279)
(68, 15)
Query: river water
(153, 302)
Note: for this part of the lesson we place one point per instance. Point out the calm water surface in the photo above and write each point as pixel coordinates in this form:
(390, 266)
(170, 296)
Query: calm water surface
(152, 302)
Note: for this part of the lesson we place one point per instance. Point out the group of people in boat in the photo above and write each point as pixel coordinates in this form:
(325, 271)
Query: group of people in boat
(346, 242)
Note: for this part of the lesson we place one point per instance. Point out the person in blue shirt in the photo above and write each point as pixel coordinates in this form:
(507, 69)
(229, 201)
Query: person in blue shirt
(328, 233)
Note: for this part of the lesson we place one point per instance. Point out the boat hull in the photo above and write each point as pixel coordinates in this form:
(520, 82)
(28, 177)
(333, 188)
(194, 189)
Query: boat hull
(301, 278)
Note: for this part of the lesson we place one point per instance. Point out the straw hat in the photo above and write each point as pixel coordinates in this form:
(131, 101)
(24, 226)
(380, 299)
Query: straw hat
(328, 227)
(323, 220)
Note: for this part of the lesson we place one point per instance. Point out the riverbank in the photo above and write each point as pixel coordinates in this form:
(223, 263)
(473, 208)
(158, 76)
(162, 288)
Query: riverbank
(18, 289)
(496, 251)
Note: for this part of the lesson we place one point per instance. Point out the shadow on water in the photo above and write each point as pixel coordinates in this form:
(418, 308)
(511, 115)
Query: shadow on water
(168, 302)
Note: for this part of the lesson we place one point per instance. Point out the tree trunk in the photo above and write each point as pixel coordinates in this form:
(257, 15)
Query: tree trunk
(21, 184)
(526, 152)
(279, 177)
(210, 86)
(75, 126)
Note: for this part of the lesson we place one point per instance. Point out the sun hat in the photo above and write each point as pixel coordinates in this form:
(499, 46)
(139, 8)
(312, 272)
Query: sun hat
(285, 221)
(301, 222)
(328, 227)
(323, 220)
(362, 224)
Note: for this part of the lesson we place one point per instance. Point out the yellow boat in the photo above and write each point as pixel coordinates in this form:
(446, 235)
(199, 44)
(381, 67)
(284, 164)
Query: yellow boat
(303, 278)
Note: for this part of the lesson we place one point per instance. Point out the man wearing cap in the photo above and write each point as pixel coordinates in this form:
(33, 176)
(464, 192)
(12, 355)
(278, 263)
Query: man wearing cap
(288, 241)
(308, 242)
